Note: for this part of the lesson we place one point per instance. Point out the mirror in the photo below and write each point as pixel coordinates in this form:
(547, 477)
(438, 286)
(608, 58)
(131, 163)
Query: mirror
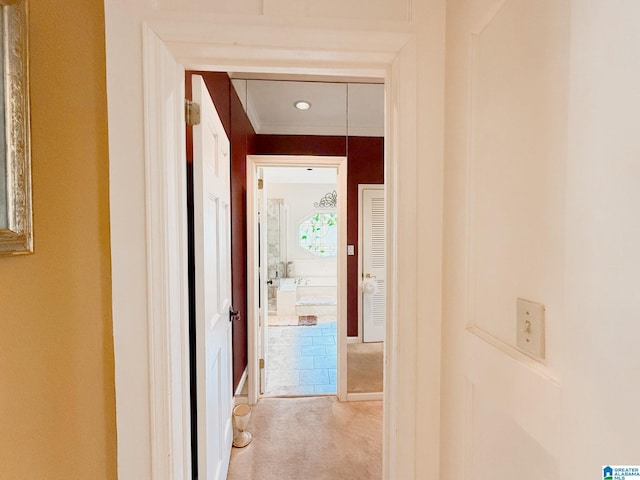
(16, 234)
(340, 119)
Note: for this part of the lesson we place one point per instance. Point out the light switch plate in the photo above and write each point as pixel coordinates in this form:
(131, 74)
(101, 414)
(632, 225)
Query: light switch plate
(530, 328)
(351, 250)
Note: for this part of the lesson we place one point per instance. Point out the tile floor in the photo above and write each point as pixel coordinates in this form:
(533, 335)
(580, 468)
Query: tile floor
(302, 360)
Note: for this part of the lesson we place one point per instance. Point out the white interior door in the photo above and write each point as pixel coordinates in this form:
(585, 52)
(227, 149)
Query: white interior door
(211, 189)
(373, 262)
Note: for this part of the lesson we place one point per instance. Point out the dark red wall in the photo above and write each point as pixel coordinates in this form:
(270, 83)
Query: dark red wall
(300, 145)
(241, 135)
(365, 164)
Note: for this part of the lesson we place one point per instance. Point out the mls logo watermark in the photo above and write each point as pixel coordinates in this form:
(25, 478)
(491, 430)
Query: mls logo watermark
(620, 472)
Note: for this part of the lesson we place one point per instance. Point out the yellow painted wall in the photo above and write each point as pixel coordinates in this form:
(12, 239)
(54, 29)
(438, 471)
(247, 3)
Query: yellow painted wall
(57, 401)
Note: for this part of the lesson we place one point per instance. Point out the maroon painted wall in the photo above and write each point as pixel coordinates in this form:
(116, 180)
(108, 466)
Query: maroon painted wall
(300, 145)
(241, 136)
(365, 164)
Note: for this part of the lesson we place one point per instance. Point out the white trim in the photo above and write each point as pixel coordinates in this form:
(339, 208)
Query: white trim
(400, 371)
(536, 366)
(168, 318)
(242, 381)
(253, 162)
(365, 397)
(354, 340)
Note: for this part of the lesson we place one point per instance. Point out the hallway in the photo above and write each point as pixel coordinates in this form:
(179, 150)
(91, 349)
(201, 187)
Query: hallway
(314, 438)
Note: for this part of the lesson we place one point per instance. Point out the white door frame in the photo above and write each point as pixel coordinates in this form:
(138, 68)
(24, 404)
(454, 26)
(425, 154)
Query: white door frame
(168, 46)
(253, 163)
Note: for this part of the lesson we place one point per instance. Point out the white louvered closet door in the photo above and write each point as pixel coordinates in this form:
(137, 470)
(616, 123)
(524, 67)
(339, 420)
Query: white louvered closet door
(373, 263)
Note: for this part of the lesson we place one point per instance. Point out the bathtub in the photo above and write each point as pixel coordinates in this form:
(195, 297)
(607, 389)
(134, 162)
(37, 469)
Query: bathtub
(317, 287)
(307, 296)
(286, 297)
(287, 284)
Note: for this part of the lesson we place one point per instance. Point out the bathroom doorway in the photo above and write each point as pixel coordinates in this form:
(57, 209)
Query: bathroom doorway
(301, 287)
(296, 231)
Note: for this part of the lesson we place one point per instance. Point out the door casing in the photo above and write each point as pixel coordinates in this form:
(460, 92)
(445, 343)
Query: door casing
(169, 47)
(253, 163)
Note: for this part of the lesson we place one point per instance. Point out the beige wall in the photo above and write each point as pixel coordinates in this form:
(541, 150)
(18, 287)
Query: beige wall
(57, 407)
(541, 196)
(299, 199)
(507, 81)
(600, 421)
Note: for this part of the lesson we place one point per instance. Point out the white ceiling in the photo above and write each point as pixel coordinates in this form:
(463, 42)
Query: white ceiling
(300, 175)
(336, 108)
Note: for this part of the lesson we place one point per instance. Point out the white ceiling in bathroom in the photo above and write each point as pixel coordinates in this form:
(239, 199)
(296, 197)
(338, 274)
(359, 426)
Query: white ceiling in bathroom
(300, 175)
(335, 107)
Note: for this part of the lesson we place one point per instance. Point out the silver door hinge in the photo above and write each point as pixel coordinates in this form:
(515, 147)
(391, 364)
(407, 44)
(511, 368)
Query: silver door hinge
(260, 184)
(191, 112)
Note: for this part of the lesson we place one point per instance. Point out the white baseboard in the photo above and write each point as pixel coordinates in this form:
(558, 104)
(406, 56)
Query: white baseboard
(353, 339)
(364, 397)
(238, 396)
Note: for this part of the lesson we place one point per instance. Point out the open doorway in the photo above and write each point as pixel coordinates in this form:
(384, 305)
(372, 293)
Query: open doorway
(344, 119)
(301, 259)
(148, 342)
(301, 348)
(313, 286)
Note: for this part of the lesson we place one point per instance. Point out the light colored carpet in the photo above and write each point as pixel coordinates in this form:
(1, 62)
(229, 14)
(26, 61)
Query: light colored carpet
(365, 366)
(315, 438)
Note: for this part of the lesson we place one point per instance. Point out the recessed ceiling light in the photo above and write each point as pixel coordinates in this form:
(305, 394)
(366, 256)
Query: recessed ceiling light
(302, 105)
